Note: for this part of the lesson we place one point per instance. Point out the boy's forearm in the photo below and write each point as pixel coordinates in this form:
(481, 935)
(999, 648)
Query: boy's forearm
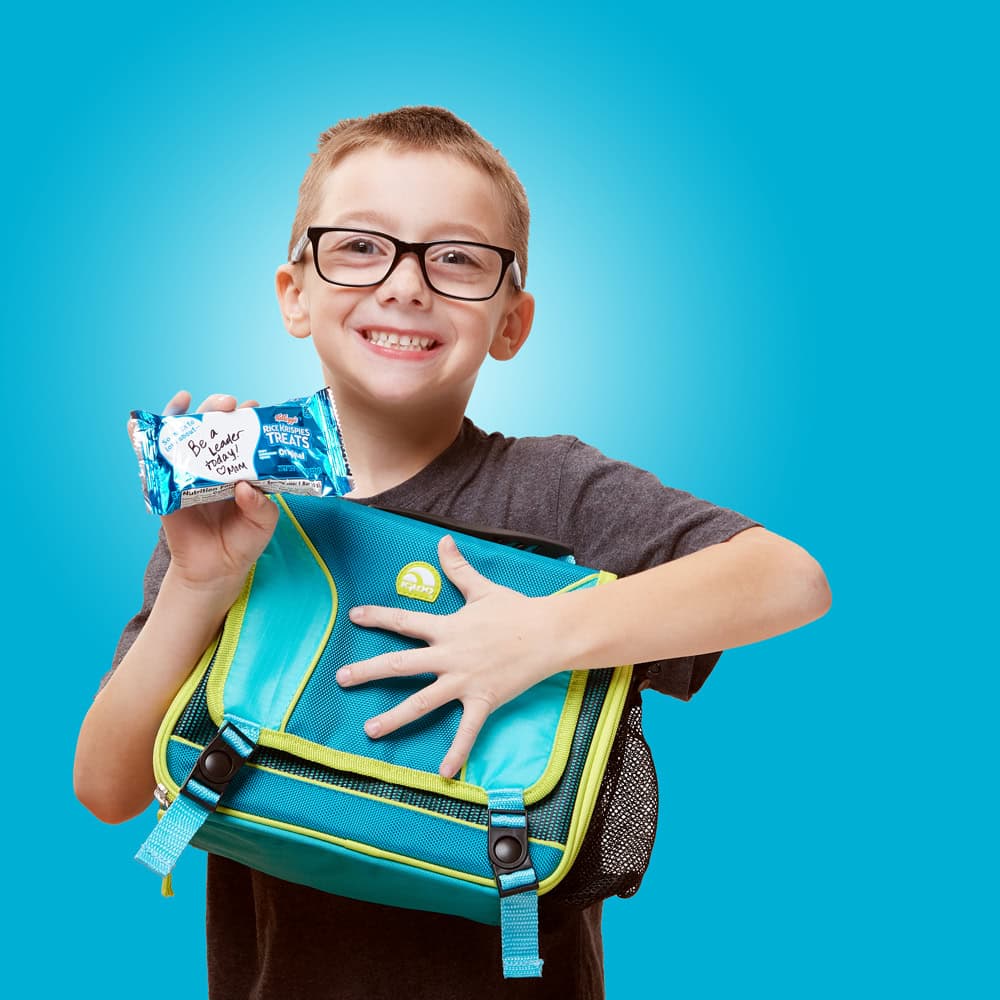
(754, 586)
(113, 775)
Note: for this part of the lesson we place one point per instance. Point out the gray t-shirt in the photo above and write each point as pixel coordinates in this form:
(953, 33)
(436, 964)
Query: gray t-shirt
(268, 938)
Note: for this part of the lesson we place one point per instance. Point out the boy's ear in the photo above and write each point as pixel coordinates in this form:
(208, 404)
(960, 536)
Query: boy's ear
(292, 300)
(515, 327)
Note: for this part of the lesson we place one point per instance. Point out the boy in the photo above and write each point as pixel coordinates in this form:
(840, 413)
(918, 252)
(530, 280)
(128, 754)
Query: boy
(401, 330)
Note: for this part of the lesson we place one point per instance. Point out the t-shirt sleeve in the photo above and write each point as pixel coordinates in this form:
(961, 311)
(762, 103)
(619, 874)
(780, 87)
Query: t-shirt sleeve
(624, 520)
(156, 569)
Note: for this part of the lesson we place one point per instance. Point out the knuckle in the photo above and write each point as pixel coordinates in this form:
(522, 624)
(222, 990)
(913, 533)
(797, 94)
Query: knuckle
(399, 618)
(421, 703)
(487, 698)
(395, 661)
(466, 732)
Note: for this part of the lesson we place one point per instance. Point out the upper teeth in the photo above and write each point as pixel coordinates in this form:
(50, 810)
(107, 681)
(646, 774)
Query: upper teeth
(400, 341)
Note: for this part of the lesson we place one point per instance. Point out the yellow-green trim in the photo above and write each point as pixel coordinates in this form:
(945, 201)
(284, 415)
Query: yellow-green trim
(409, 777)
(333, 610)
(563, 742)
(361, 848)
(570, 715)
(227, 648)
(593, 773)
(173, 789)
(177, 706)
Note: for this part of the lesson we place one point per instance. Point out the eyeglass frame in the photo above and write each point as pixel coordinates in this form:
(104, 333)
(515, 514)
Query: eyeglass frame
(312, 235)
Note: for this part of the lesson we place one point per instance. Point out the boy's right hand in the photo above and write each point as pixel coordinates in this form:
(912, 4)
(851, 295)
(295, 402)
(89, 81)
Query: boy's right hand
(213, 545)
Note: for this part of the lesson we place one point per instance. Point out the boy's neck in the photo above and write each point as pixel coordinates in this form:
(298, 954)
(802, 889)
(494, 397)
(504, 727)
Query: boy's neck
(384, 450)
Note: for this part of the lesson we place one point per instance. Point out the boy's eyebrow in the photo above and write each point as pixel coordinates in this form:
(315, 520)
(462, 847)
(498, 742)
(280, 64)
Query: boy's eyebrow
(386, 224)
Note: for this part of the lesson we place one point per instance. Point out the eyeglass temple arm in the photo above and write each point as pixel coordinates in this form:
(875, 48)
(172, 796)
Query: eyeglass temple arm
(298, 249)
(518, 283)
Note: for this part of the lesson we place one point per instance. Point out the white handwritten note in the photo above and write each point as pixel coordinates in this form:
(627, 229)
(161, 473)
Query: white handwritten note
(220, 447)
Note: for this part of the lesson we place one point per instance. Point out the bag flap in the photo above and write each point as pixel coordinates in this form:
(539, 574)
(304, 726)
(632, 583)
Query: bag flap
(289, 632)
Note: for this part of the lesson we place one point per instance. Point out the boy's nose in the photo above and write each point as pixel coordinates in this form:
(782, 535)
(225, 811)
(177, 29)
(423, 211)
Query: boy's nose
(405, 283)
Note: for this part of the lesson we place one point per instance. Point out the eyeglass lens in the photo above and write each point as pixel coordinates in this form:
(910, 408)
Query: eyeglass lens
(359, 258)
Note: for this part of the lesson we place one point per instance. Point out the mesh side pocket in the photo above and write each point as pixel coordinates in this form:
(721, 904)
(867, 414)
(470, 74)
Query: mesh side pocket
(619, 842)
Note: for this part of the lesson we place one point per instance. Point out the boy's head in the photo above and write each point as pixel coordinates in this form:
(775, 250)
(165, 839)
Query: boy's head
(407, 260)
(416, 129)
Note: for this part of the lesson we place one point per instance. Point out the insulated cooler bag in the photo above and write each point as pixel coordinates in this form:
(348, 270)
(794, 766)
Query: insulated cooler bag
(262, 757)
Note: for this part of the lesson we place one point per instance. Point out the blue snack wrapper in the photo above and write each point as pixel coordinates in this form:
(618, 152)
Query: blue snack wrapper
(194, 458)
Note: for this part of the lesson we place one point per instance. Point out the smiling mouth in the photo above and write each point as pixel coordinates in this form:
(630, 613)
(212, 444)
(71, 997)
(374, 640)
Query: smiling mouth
(399, 341)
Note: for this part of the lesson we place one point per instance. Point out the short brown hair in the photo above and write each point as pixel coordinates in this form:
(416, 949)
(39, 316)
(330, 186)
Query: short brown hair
(422, 129)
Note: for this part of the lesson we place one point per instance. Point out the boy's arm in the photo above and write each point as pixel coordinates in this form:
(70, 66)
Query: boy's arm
(113, 770)
(752, 587)
(212, 547)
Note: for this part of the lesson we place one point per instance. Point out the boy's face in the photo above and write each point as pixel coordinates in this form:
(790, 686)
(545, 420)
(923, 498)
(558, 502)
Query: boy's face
(416, 197)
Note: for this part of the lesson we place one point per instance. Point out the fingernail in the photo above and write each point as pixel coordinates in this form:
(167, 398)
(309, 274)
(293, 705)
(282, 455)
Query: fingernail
(344, 675)
(373, 728)
(357, 614)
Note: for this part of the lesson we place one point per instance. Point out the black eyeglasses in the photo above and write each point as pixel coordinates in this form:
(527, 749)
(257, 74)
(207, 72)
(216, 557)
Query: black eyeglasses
(359, 258)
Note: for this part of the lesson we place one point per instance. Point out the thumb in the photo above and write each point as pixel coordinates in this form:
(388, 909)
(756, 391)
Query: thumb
(256, 507)
(472, 584)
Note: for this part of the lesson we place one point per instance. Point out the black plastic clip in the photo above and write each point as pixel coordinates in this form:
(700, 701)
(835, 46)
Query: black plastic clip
(215, 768)
(508, 851)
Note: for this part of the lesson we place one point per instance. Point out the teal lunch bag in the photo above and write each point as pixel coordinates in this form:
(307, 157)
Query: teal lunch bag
(262, 756)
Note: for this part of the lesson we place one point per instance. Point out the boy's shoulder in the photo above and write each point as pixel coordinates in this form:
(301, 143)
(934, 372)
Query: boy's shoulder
(552, 455)
(499, 447)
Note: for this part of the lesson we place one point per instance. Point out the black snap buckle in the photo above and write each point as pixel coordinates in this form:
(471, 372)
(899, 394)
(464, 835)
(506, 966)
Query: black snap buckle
(508, 850)
(215, 768)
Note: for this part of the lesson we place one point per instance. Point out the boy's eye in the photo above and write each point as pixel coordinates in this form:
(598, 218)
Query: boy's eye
(361, 245)
(356, 251)
(458, 257)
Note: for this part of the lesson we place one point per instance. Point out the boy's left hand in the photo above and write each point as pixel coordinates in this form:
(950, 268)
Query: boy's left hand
(486, 653)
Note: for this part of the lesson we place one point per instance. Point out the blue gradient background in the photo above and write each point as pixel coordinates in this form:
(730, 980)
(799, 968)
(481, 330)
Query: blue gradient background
(764, 250)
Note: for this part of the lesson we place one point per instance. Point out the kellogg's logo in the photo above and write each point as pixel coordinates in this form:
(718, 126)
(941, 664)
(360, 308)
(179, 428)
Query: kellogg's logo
(286, 418)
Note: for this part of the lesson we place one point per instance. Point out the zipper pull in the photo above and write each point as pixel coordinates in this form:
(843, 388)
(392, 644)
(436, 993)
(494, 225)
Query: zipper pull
(161, 795)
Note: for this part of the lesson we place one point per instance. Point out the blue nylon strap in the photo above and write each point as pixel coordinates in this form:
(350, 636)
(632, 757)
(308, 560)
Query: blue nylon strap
(518, 911)
(519, 934)
(506, 798)
(242, 744)
(512, 820)
(188, 812)
(172, 834)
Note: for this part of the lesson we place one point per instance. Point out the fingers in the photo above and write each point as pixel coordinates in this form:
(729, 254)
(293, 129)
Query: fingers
(415, 707)
(415, 624)
(178, 404)
(180, 401)
(473, 585)
(255, 506)
(398, 663)
(218, 401)
(474, 717)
